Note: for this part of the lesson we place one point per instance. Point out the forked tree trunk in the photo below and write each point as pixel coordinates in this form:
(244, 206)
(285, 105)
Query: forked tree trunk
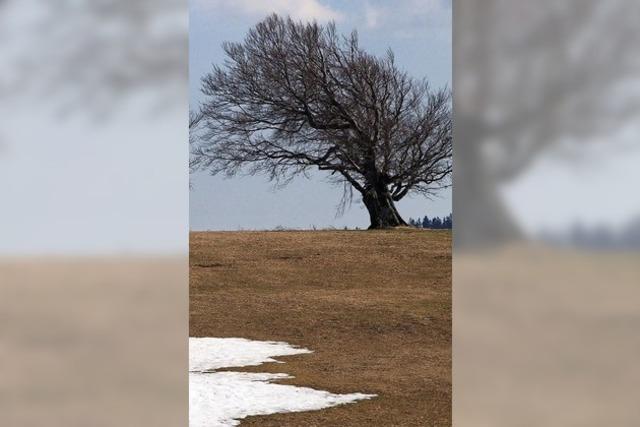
(382, 209)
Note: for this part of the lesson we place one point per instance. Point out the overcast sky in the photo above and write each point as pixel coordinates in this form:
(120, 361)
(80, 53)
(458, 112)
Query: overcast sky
(418, 31)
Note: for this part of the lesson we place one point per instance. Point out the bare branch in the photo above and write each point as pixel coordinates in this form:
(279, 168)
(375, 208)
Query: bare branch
(295, 96)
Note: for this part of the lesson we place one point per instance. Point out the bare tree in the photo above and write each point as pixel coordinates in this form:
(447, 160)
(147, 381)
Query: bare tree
(195, 120)
(296, 96)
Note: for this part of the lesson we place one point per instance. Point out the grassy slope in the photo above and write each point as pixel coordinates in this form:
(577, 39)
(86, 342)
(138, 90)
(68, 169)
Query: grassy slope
(374, 306)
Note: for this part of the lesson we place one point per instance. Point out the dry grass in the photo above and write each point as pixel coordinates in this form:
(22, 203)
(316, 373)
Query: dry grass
(374, 306)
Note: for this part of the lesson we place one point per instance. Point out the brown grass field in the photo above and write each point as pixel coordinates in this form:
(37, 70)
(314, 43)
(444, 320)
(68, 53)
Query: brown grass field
(374, 306)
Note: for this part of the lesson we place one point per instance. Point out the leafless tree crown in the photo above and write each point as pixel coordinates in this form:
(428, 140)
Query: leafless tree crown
(295, 96)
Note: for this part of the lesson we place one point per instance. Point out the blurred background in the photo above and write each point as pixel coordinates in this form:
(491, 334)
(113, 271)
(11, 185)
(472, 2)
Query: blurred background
(546, 212)
(93, 236)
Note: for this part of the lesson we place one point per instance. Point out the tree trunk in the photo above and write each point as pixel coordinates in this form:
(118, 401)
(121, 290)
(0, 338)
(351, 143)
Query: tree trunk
(382, 209)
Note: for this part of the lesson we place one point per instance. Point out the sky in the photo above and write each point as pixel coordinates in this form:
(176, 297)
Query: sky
(419, 33)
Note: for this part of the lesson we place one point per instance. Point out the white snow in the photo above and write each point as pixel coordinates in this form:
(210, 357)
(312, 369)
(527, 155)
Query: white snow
(209, 354)
(223, 398)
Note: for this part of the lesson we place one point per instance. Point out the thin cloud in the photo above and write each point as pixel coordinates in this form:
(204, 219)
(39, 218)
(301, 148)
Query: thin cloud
(305, 10)
(372, 15)
(407, 17)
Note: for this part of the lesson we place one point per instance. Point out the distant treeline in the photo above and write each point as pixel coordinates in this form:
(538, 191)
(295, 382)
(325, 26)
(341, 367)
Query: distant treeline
(435, 222)
(598, 237)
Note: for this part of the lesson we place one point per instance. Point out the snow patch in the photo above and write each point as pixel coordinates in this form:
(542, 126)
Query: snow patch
(223, 398)
(209, 354)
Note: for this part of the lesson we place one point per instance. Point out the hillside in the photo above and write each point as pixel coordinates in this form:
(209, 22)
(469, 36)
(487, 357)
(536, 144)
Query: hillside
(374, 306)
